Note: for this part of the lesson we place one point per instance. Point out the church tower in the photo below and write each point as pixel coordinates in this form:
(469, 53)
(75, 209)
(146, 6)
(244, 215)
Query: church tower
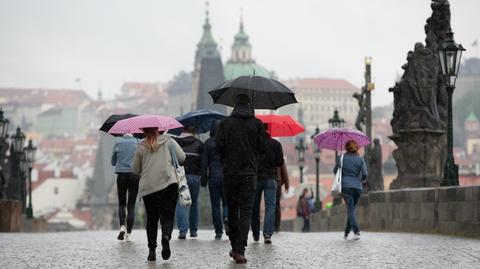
(208, 69)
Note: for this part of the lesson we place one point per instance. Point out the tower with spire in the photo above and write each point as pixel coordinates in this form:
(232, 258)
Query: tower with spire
(208, 69)
(241, 62)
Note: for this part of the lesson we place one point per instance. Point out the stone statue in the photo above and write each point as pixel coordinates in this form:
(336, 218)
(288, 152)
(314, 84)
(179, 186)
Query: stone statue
(362, 109)
(420, 108)
(375, 166)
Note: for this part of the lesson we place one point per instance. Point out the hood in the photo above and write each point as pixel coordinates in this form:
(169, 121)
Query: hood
(243, 107)
(214, 127)
(186, 140)
(161, 139)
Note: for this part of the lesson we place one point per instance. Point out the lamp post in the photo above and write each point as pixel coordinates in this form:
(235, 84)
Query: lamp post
(336, 122)
(301, 148)
(316, 152)
(18, 141)
(450, 54)
(368, 102)
(4, 123)
(30, 152)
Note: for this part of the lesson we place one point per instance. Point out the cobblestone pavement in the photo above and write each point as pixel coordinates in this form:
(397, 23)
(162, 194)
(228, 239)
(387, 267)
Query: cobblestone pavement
(100, 249)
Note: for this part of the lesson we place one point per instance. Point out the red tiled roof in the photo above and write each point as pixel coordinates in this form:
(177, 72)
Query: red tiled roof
(63, 97)
(320, 83)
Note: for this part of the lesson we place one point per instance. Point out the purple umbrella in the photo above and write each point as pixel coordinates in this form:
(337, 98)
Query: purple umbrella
(336, 138)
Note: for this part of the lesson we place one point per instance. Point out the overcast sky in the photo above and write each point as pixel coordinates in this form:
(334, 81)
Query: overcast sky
(49, 43)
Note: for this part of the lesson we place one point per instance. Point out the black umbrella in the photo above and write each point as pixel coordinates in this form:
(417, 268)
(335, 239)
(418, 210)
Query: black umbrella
(265, 93)
(107, 125)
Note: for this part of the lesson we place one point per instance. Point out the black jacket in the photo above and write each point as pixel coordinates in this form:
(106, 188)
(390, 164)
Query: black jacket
(270, 160)
(212, 168)
(240, 139)
(193, 149)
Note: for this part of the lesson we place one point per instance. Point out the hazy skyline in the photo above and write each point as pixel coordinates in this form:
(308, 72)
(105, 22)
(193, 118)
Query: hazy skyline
(50, 43)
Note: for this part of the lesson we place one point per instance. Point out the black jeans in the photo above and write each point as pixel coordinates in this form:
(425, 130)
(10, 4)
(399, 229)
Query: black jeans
(127, 183)
(160, 205)
(278, 209)
(239, 192)
(351, 197)
(306, 224)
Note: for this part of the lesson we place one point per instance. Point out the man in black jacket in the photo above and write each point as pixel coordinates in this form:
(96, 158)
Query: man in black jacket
(188, 217)
(268, 166)
(240, 139)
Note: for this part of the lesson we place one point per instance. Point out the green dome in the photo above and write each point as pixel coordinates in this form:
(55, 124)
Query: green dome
(236, 69)
(472, 117)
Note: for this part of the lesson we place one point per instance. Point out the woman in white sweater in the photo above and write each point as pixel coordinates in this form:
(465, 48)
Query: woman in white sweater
(157, 186)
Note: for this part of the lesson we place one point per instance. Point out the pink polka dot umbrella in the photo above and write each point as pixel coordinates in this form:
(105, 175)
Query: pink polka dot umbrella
(136, 124)
(336, 138)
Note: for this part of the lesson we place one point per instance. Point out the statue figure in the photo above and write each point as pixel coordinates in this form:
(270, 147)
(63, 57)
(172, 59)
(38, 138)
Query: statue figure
(420, 108)
(375, 166)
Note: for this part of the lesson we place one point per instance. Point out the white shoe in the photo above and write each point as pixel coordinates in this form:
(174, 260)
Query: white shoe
(345, 237)
(121, 235)
(128, 237)
(356, 237)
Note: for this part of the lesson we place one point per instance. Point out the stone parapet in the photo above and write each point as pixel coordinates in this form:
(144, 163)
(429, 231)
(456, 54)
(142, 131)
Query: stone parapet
(446, 210)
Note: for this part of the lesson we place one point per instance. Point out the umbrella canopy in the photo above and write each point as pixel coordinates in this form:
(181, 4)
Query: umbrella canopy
(281, 125)
(336, 138)
(265, 93)
(201, 119)
(136, 124)
(107, 125)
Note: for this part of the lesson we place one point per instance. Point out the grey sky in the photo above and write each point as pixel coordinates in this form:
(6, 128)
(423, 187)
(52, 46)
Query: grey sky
(49, 43)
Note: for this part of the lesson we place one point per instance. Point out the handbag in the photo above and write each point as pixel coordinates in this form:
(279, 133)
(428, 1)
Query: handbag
(337, 182)
(184, 197)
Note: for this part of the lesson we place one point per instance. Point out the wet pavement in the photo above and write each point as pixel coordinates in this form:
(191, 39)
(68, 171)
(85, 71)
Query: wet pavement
(100, 249)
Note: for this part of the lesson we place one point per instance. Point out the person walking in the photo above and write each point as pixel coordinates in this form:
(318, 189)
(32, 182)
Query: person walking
(187, 217)
(354, 173)
(269, 162)
(282, 180)
(127, 183)
(239, 140)
(303, 210)
(212, 174)
(158, 186)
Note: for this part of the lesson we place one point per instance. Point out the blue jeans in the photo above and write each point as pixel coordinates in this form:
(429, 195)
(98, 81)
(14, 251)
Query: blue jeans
(269, 187)
(215, 187)
(187, 217)
(351, 197)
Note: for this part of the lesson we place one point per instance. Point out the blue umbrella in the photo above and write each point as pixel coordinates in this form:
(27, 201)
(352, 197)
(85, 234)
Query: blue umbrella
(201, 119)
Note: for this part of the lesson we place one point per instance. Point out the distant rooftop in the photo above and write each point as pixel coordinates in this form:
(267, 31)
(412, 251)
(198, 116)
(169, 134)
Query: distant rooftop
(320, 84)
(64, 97)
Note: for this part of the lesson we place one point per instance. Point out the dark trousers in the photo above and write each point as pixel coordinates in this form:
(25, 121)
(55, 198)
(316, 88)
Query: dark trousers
(127, 183)
(239, 192)
(351, 197)
(215, 187)
(160, 205)
(278, 208)
(306, 224)
(269, 189)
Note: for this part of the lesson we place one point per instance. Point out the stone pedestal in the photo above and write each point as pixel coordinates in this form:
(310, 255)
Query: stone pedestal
(11, 216)
(420, 158)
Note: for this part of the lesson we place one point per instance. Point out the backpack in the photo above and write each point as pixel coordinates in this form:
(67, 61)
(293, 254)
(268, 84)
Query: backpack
(311, 204)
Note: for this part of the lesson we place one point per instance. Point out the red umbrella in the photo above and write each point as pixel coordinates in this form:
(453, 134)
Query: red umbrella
(281, 125)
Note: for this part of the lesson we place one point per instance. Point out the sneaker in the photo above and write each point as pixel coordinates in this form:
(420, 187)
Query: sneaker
(193, 234)
(267, 239)
(165, 248)
(218, 237)
(152, 256)
(128, 237)
(239, 258)
(345, 237)
(356, 237)
(121, 235)
(182, 236)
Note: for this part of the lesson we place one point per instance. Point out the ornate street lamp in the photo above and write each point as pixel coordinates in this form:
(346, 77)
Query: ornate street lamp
(30, 152)
(4, 122)
(336, 122)
(301, 148)
(18, 141)
(450, 54)
(316, 153)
